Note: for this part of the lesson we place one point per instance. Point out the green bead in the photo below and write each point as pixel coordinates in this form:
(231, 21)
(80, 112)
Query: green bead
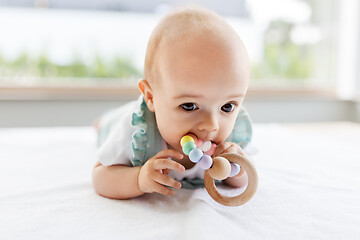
(188, 146)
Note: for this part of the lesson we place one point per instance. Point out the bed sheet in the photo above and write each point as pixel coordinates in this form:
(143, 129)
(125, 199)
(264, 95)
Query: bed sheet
(309, 188)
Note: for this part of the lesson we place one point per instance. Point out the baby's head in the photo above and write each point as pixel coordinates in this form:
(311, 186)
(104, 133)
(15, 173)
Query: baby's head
(196, 76)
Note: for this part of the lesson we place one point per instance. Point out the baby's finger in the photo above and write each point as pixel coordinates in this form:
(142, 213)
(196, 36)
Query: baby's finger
(169, 153)
(169, 164)
(221, 148)
(167, 181)
(157, 187)
(234, 149)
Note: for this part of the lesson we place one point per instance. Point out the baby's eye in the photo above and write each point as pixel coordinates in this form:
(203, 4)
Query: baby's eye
(229, 107)
(189, 106)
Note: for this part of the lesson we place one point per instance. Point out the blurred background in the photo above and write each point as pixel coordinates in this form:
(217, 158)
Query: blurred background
(63, 62)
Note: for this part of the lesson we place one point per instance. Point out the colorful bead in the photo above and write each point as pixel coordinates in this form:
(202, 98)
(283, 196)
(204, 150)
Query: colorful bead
(235, 169)
(188, 146)
(195, 155)
(199, 142)
(185, 139)
(205, 146)
(212, 149)
(206, 162)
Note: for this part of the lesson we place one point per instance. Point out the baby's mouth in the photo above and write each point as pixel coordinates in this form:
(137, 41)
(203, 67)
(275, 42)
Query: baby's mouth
(198, 140)
(205, 145)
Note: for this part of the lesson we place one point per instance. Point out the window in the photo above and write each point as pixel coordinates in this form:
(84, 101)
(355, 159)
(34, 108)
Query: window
(298, 43)
(291, 43)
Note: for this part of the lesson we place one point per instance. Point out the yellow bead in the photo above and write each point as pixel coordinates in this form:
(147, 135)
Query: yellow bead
(185, 139)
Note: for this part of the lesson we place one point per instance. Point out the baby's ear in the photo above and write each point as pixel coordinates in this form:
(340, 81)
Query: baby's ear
(146, 90)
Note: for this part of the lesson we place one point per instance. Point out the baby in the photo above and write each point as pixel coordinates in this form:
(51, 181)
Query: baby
(196, 78)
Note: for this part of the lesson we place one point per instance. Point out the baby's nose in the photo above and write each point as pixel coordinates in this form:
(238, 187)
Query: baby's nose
(209, 123)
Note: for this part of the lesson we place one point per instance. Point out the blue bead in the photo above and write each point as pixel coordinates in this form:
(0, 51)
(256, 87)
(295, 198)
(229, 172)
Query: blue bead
(195, 155)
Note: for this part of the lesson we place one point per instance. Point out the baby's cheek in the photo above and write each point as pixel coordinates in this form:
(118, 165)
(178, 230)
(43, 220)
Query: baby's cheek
(172, 139)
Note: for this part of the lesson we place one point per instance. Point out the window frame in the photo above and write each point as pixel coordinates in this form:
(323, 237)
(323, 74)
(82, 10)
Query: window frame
(348, 65)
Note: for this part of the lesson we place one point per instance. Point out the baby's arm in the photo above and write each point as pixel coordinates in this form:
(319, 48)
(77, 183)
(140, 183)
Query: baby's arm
(241, 179)
(117, 181)
(123, 182)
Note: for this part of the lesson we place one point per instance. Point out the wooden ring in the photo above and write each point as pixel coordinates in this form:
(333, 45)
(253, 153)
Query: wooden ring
(243, 197)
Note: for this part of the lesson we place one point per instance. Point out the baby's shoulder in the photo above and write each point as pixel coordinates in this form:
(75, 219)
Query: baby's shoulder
(116, 122)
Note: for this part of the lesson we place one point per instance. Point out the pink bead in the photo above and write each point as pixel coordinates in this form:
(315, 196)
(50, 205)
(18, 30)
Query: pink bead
(199, 142)
(206, 162)
(212, 149)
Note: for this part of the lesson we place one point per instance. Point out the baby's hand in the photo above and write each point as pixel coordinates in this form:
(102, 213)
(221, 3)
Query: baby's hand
(228, 147)
(240, 179)
(152, 177)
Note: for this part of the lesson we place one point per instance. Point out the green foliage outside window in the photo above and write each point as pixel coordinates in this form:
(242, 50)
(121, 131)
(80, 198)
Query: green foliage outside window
(282, 58)
(43, 67)
(283, 62)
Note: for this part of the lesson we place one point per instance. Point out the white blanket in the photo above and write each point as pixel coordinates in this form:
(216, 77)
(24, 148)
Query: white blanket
(309, 189)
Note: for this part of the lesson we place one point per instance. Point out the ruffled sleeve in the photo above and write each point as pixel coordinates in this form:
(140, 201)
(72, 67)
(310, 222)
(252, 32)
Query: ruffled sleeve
(146, 139)
(242, 132)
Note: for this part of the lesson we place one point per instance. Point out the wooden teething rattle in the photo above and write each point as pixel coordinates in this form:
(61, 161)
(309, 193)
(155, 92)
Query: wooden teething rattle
(220, 167)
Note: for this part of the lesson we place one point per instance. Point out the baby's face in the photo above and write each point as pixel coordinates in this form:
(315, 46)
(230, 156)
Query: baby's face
(202, 86)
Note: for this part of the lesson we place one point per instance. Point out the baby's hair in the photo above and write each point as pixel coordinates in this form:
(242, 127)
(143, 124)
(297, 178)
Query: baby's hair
(179, 24)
